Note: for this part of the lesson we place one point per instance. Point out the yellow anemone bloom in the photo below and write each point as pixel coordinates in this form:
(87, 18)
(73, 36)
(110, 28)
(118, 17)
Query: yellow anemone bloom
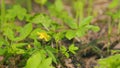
(43, 35)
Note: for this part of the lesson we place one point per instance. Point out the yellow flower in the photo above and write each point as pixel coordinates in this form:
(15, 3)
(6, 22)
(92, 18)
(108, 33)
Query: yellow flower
(43, 35)
(29, 46)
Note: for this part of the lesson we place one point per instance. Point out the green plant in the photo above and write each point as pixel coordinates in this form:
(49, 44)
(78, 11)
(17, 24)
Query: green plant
(71, 49)
(79, 9)
(41, 2)
(82, 29)
(12, 46)
(113, 16)
(29, 5)
(42, 56)
(38, 36)
(2, 12)
(39, 60)
(110, 62)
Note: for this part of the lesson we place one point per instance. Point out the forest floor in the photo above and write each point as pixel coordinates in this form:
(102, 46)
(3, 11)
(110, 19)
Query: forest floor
(92, 46)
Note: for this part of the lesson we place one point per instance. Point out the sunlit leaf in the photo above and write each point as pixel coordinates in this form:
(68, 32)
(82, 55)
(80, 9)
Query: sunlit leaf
(70, 34)
(34, 61)
(50, 52)
(114, 4)
(72, 48)
(41, 2)
(25, 31)
(9, 33)
(59, 5)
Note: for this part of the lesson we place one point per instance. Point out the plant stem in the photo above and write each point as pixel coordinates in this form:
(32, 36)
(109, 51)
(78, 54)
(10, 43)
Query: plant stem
(81, 12)
(2, 12)
(90, 7)
(119, 18)
(109, 33)
(29, 5)
(119, 25)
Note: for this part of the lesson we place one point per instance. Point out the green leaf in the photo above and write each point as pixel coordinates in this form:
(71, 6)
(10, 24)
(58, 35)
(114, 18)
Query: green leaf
(39, 60)
(21, 12)
(2, 51)
(70, 22)
(1, 41)
(109, 62)
(53, 50)
(86, 21)
(19, 51)
(78, 5)
(46, 63)
(9, 33)
(116, 15)
(41, 19)
(14, 50)
(16, 11)
(81, 32)
(19, 44)
(94, 28)
(25, 31)
(70, 34)
(37, 19)
(33, 34)
(59, 5)
(114, 4)
(63, 49)
(34, 61)
(37, 43)
(72, 48)
(67, 54)
(41, 2)
(50, 53)
(59, 36)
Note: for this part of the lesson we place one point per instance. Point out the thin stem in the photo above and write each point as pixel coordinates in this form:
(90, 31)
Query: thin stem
(2, 12)
(119, 19)
(90, 7)
(29, 5)
(81, 12)
(109, 33)
(119, 25)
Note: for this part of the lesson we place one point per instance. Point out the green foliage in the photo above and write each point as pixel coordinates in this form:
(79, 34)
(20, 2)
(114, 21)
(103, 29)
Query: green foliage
(16, 11)
(31, 37)
(64, 51)
(79, 9)
(33, 34)
(59, 5)
(71, 49)
(50, 52)
(16, 48)
(116, 14)
(114, 4)
(110, 62)
(39, 60)
(59, 36)
(82, 29)
(41, 2)
(41, 19)
(2, 50)
(24, 32)
(70, 22)
(70, 34)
